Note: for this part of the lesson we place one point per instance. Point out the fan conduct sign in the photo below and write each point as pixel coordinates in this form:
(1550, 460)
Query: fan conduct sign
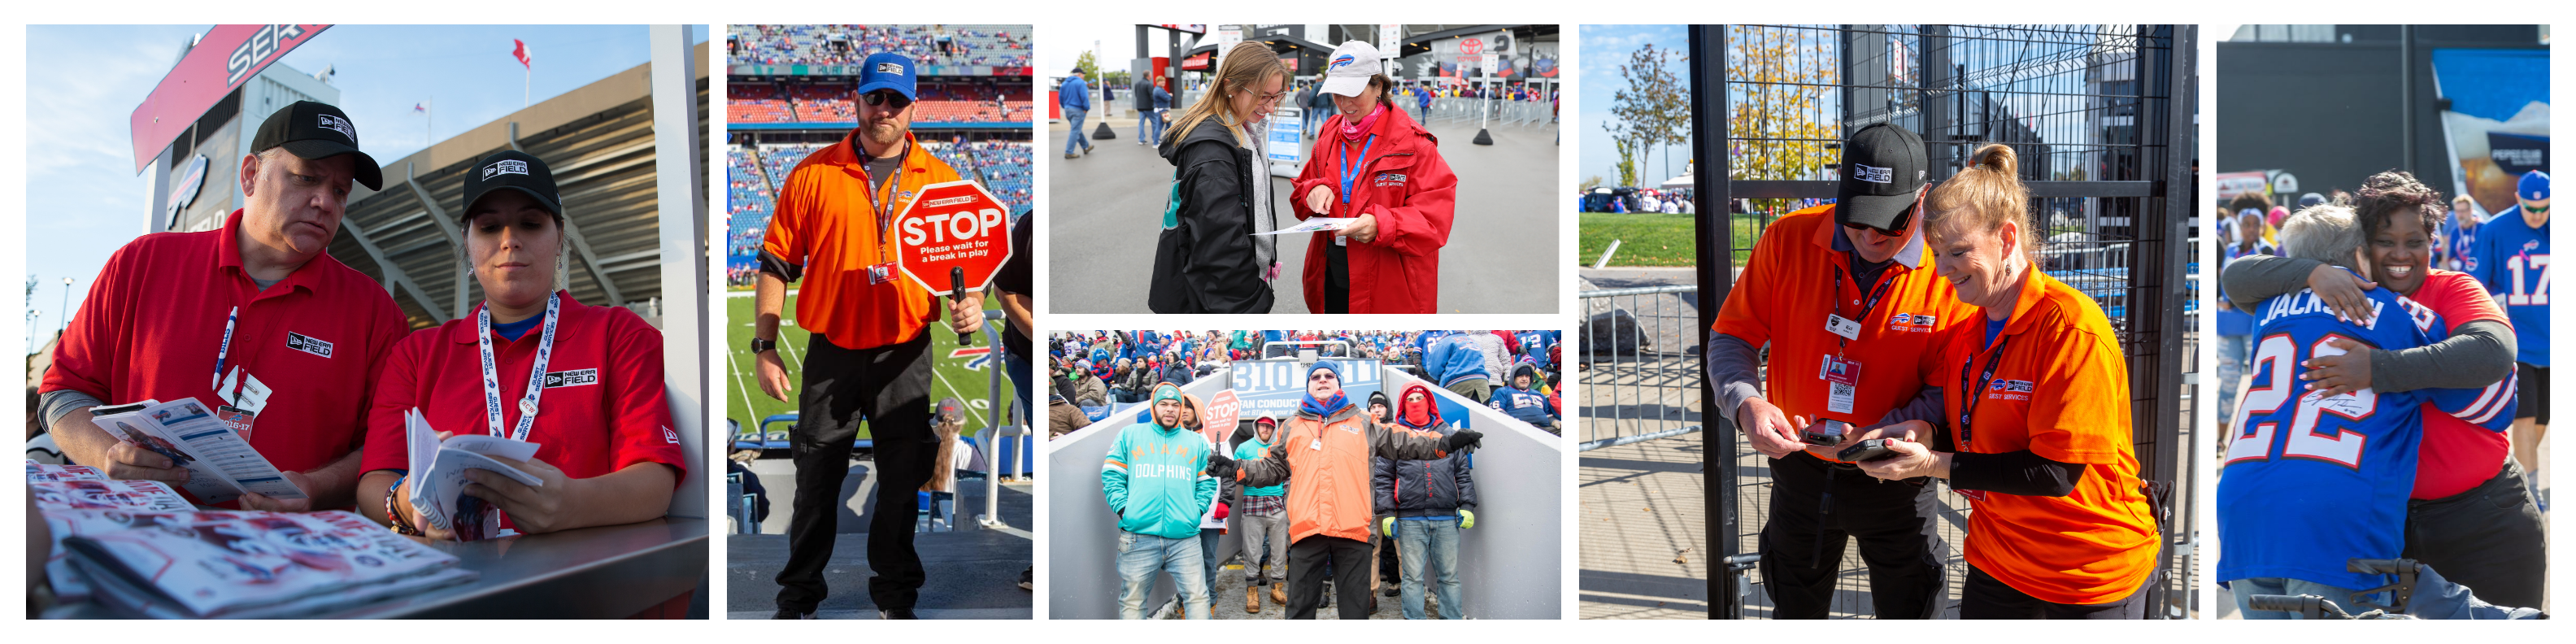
(953, 225)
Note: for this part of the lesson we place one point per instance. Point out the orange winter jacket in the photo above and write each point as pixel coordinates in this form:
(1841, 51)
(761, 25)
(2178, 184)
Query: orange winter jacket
(1330, 457)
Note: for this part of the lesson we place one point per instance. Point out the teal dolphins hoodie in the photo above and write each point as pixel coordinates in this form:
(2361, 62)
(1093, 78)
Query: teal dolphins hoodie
(1156, 479)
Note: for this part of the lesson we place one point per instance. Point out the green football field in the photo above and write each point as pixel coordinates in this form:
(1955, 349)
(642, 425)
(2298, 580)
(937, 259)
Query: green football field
(745, 404)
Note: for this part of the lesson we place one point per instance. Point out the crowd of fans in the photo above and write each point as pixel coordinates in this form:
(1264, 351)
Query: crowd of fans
(754, 172)
(992, 45)
(990, 100)
(1096, 371)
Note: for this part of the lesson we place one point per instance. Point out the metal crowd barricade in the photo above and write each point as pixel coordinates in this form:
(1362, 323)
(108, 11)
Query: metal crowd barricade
(2100, 119)
(1639, 372)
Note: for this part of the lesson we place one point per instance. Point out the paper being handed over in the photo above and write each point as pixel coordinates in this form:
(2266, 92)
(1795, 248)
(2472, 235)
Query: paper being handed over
(437, 482)
(1315, 225)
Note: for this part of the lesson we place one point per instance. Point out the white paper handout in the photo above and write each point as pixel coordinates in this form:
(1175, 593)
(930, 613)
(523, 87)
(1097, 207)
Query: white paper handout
(437, 482)
(1316, 224)
(221, 464)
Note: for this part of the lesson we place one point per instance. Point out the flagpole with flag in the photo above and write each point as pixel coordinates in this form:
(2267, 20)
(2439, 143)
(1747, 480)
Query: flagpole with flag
(426, 121)
(519, 49)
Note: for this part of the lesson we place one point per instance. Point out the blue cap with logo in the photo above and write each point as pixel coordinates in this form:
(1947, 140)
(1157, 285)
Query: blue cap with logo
(2533, 187)
(887, 70)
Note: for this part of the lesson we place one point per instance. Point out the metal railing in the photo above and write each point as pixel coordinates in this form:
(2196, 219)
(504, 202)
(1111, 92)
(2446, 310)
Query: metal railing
(1639, 372)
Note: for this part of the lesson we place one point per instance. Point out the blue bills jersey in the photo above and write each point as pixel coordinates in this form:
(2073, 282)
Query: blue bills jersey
(2309, 481)
(2512, 259)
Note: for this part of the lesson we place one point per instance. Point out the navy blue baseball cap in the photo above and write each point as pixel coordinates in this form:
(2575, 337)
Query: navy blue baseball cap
(887, 70)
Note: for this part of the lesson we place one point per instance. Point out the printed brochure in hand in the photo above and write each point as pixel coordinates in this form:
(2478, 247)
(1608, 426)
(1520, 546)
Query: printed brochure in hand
(437, 483)
(221, 464)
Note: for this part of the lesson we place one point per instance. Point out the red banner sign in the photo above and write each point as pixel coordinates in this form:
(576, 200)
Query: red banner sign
(227, 56)
(948, 226)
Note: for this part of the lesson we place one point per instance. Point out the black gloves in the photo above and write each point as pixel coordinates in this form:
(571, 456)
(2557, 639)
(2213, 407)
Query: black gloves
(1219, 466)
(1464, 439)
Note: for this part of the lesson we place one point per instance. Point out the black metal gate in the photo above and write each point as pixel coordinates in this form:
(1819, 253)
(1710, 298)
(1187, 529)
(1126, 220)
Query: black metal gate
(2101, 118)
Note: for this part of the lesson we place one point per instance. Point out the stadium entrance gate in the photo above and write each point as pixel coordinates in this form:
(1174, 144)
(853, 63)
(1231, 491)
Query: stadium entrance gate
(2101, 116)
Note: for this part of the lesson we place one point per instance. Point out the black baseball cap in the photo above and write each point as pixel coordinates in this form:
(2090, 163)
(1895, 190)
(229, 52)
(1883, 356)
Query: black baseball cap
(512, 170)
(315, 130)
(1882, 172)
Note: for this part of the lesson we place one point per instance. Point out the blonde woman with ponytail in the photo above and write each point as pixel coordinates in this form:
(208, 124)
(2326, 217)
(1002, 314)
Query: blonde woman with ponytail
(1208, 259)
(2037, 402)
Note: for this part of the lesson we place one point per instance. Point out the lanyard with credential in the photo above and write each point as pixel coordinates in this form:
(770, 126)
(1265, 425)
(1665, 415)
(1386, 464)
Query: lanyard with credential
(1350, 171)
(1976, 389)
(1834, 292)
(536, 373)
(883, 204)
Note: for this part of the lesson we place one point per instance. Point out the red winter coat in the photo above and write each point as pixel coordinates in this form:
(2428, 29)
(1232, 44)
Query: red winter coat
(1409, 188)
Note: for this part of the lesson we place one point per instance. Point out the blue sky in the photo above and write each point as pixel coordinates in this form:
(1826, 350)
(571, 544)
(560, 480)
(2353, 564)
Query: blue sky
(85, 199)
(1605, 48)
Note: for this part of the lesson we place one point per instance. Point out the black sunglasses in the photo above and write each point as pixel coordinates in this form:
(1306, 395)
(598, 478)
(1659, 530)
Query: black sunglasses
(875, 99)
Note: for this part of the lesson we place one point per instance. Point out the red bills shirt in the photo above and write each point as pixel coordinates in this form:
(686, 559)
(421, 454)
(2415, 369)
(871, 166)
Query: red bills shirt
(154, 321)
(2456, 455)
(603, 408)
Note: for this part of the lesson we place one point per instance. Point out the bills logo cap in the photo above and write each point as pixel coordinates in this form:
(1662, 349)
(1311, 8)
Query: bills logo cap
(512, 170)
(316, 130)
(1350, 68)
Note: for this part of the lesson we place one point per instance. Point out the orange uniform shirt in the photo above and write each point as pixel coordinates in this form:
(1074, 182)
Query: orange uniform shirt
(1788, 288)
(2061, 390)
(826, 222)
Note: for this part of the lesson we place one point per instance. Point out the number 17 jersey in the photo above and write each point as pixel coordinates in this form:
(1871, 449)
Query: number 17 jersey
(2310, 481)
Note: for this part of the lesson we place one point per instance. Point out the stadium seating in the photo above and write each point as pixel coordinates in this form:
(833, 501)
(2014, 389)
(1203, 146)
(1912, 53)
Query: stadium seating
(753, 174)
(993, 45)
(941, 102)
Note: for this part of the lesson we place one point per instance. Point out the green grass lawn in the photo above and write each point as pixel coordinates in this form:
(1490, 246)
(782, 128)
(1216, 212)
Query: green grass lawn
(746, 404)
(1653, 239)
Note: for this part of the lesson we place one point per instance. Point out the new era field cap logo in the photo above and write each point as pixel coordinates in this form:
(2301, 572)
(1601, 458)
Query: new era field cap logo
(887, 70)
(315, 130)
(1883, 169)
(512, 170)
(1352, 65)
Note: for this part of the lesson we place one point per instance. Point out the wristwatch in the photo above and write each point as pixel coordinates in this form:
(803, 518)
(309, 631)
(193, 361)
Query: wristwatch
(758, 345)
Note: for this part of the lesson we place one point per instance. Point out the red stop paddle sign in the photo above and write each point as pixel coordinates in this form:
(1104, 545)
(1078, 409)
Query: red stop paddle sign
(1222, 413)
(952, 225)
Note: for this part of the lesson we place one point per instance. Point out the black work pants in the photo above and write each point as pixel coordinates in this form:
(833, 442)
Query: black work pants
(1982, 596)
(1817, 507)
(888, 387)
(1350, 579)
(1337, 280)
(2488, 539)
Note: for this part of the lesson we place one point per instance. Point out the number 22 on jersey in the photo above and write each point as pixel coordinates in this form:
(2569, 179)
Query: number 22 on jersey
(2276, 362)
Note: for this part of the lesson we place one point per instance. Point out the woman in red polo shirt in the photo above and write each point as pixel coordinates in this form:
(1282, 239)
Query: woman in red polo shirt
(582, 382)
(2037, 399)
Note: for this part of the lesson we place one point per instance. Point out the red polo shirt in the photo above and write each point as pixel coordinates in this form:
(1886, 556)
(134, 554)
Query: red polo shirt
(603, 408)
(155, 317)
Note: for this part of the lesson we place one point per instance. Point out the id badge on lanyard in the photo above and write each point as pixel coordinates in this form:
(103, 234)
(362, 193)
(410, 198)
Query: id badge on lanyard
(1842, 383)
(243, 395)
(883, 271)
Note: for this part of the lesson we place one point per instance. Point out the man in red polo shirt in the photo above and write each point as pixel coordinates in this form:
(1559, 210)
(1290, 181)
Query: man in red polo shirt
(254, 318)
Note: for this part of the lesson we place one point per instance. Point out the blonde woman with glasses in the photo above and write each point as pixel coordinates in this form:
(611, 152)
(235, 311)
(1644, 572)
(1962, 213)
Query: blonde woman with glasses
(1209, 259)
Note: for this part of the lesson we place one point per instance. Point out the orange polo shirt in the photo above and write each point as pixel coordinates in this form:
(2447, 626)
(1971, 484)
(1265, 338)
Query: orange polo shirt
(826, 222)
(1786, 291)
(2060, 390)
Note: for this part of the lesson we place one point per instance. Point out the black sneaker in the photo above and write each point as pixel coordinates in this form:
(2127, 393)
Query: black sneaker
(1391, 591)
(896, 613)
(787, 613)
(1027, 580)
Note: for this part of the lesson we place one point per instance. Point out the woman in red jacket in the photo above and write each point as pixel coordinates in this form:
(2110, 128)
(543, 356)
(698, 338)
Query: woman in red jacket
(1373, 164)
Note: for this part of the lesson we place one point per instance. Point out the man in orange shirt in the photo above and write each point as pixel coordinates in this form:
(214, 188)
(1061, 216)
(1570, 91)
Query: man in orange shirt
(871, 358)
(1845, 296)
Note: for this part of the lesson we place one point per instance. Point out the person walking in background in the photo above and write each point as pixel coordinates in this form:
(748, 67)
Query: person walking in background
(1263, 513)
(1386, 175)
(2244, 237)
(1155, 478)
(1421, 505)
(1210, 257)
(2512, 259)
(1074, 98)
